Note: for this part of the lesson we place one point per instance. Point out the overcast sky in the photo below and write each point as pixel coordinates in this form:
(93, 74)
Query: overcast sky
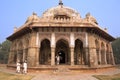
(15, 12)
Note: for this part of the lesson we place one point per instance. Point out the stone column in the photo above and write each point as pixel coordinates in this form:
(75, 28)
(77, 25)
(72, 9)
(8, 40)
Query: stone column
(18, 58)
(113, 61)
(31, 57)
(53, 49)
(112, 57)
(93, 57)
(72, 55)
(24, 54)
(37, 39)
(86, 49)
(99, 57)
(52, 56)
(37, 48)
(100, 54)
(72, 44)
(92, 52)
(105, 57)
(37, 56)
(32, 50)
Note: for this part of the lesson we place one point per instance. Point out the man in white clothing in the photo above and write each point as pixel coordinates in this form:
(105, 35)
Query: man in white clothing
(25, 67)
(58, 59)
(18, 67)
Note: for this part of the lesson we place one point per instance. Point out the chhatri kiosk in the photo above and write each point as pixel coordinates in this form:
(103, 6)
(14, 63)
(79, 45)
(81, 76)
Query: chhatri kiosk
(80, 42)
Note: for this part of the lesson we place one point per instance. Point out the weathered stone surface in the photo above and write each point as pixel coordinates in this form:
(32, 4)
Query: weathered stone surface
(61, 31)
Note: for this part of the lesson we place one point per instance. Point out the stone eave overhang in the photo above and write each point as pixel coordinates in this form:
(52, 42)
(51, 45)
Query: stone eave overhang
(90, 27)
(20, 31)
(101, 33)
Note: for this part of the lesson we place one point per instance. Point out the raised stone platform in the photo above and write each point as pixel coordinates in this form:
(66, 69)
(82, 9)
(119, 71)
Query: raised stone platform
(64, 68)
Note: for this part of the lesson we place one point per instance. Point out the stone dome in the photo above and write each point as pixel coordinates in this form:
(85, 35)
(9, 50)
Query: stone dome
(61, 11)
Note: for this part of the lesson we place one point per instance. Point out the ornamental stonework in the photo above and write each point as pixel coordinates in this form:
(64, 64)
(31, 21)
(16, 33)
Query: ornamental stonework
(61, 31)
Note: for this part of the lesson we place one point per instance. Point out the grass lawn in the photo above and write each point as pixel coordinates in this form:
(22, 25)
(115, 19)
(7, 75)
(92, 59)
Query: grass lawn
(108, 77)
(7, 76)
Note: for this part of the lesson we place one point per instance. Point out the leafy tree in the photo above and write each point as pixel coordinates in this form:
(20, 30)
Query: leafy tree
(4, 51)
(116, 50)
(0, 45)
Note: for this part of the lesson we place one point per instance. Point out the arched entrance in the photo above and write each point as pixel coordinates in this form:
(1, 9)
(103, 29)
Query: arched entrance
(79, 56)
(62, 49)
(45, 52)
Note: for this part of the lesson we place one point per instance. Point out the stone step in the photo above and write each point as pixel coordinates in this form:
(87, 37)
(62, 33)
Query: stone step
(63, 69)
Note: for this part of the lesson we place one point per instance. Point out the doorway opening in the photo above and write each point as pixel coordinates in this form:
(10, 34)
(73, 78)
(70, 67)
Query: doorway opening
(62, 57)
(62, 49)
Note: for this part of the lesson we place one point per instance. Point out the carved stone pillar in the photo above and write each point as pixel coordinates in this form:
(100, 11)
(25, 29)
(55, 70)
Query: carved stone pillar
(92, 52)
(52, 56)
(72, 44)
(18, 56)
(37, 49)
(86, 50)
(37, 56)
(37, 39)
(72, 55)
(105, 57)
(99, 57)
(86, 56)
(113, 61)
(112, 57)
(24, 55)
(31, 59)
(53, 49)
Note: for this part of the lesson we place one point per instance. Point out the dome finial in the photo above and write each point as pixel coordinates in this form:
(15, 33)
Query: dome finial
(60, 2)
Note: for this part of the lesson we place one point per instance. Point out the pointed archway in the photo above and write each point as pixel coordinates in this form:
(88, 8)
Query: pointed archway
(62, 49)
(45, 52)
(79, 56)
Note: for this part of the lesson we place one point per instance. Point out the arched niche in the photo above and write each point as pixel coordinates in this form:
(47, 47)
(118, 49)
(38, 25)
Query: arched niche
(79, 56)
(45, 52)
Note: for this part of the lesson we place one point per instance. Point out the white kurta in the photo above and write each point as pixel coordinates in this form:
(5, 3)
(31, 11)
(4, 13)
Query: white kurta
(18, 67)
(58, 59)
(24, 67)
